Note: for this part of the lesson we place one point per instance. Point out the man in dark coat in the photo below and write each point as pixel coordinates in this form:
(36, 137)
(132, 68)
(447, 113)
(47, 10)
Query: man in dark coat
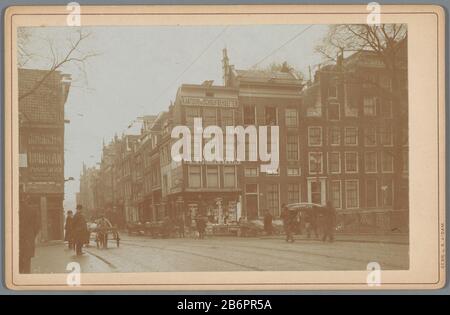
(28, 229)
(288, 218)
(80, 231)
(201, 227)
(268, 227)
(329, 222)
(68, 229)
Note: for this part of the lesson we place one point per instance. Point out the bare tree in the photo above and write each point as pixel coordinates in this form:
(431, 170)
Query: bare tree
(283, 67)
(385, 42)
(72, 55)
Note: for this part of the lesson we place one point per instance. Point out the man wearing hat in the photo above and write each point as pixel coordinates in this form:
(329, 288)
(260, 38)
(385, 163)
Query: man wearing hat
(80, 231)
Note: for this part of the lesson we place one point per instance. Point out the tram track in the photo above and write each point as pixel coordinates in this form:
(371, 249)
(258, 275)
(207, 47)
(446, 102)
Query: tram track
(253, 247)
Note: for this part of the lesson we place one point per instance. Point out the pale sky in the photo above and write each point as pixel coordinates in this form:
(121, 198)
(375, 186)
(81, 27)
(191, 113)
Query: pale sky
(137, 67)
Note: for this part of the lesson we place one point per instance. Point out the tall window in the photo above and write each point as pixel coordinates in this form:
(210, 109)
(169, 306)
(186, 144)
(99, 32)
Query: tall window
(351, 194)
(334, 111)
(191, 113)
(212, 176)
(229, 176)
(195, 176)
(371, 193)
(370, 106)
(370, 136)
(370, 162)
(387, 162)
(315, 163)
(334, 162)
(227, 116)
(293, 193)
(351, 162)
(251, 200)
(335, 191)
(271, 115)
(386, 192)
(273, 198)
(332, 91)
(292, 147)
(209, 117)
(249, 115)
(405, 167)
(291, 117)
(314, 136)
(335, 136)
(386, 109)
(351, 136)
(386, 135)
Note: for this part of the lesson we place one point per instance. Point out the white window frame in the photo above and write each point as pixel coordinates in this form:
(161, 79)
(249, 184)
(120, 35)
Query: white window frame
(252, 194)
(296, 117)
(345, 136)
(309, 162)
(376, 162)
(321, 136)
(218, 176)
(376, 193)
(357, 193)
(340, 136)
(391, 144)
(328, 162)
(345, 162)
(365, 137)
(375, 106)
(298, 148)
(201, 176)
(340, 192)
(382, 163)
(336, 88)
(279, 200)
(235, 176)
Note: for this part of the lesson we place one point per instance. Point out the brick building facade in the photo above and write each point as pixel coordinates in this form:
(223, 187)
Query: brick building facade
(342, 138)
(42, 95)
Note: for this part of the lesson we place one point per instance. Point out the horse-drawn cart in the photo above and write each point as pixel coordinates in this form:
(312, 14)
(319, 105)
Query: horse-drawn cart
(104, 234)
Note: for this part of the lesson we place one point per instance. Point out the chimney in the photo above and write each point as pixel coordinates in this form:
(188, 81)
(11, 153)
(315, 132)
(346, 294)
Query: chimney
(225, 67)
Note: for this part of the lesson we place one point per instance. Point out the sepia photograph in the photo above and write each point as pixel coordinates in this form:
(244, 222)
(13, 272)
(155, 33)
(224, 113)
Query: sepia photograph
(207, 148)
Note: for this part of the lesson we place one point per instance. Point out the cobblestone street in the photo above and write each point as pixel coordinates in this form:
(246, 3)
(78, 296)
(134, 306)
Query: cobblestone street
(143, 254)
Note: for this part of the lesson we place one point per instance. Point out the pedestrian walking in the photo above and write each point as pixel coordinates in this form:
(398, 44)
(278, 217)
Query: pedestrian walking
(268, 226)
(68, 229)
(201, 227)
(80, 231)
(288, 223)
(329, 222)
(28, 229)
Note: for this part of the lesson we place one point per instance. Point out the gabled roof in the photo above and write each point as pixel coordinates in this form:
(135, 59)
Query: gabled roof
(265, 75)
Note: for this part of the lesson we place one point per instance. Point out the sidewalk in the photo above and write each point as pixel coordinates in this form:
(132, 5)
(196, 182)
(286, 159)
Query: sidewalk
(402, 239)
(54, 257)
